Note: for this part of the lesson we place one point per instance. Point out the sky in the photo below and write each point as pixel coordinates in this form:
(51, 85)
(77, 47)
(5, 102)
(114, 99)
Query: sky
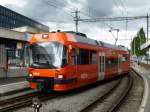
(58, 14)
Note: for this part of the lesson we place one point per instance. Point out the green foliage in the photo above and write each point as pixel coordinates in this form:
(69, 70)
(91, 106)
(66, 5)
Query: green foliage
(137, 42)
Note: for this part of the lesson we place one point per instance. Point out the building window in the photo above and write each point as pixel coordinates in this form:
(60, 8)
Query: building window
(15, 58)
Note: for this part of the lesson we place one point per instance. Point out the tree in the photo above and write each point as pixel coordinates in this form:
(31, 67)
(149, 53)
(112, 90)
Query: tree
(137, 42)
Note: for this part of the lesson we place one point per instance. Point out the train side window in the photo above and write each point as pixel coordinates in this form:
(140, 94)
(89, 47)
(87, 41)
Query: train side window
(124, 58)
(65, 56)
(100, 60)
(83, 57)
(111, 63)
(73, 56)
(92, 57)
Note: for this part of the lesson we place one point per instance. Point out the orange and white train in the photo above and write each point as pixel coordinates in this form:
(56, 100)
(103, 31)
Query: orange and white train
(62, 61)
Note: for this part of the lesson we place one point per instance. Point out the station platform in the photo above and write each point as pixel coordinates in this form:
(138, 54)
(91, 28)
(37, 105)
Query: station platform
(12, 85)
(144, 71)
(8, 80)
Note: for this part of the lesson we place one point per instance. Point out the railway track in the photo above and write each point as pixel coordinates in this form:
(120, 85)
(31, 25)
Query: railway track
(26, 100)
(17, 98)
(23, 101)
(111, 100)
(133, 100)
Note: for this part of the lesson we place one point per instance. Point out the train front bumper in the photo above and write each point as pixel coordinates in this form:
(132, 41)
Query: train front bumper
(50, 83)
(51, 80)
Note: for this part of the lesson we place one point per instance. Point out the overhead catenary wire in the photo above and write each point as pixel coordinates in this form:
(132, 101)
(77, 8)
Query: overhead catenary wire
(71, 10)
(123, 6)
(113, 18)
(50, 3)
(57, 5)
(117, 5)
(54, 4)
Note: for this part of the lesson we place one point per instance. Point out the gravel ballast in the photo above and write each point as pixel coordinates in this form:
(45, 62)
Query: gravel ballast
(74, 101)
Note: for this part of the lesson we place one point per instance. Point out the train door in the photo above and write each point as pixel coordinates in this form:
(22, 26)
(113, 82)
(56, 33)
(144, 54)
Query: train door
(119, 64)
(3, 62)
(101, 66)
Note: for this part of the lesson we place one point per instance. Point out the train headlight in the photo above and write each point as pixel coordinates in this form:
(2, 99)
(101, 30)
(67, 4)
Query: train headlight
(45, 36)
(30, 75)
(60, 76)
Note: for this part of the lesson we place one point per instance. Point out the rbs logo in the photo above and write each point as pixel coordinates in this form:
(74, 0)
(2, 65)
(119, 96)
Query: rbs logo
(36, 73)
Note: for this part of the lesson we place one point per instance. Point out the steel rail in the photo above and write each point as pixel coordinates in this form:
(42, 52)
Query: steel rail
(92, 105)
(24, 102)
(17, 98)
(115, 106)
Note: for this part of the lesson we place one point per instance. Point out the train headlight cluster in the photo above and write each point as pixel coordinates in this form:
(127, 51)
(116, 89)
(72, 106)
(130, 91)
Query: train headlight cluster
(60, 76)
(45, 36)
(30, 75)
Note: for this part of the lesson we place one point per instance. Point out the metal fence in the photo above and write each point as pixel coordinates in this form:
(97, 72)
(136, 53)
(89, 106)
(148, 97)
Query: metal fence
(3, 61)
(12, 62)
(15, 58)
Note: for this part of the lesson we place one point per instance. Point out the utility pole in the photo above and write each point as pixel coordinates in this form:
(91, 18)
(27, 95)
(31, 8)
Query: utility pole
(131, 44)
(126, 26)
(147, 26)
(134, 45)
(147, 36)
(76, 19)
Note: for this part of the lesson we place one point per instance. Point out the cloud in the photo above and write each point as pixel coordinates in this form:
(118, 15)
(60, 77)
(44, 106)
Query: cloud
(58, 15)
(42, 10)
(13, 2)
(99, 8)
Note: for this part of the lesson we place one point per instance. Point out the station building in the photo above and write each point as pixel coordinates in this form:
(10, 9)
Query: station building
(15, 29)
(10, 20)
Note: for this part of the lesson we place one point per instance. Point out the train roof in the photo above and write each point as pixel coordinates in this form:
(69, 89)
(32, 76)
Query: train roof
(82, 38)
(79, 37)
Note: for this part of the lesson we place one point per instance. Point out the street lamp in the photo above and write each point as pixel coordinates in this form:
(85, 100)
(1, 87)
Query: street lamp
(113, 29)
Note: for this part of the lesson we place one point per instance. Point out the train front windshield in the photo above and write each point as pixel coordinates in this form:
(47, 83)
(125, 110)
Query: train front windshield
(48, 55)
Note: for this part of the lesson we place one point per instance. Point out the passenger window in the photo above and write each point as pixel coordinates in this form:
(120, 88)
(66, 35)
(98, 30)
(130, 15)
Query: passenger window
(124, 58)
(83, 56)
(65, 56)
(111, 63)
(92, 57)
(73, 56)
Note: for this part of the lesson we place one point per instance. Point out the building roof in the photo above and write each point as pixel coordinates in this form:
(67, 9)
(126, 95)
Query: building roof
(10, 34)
